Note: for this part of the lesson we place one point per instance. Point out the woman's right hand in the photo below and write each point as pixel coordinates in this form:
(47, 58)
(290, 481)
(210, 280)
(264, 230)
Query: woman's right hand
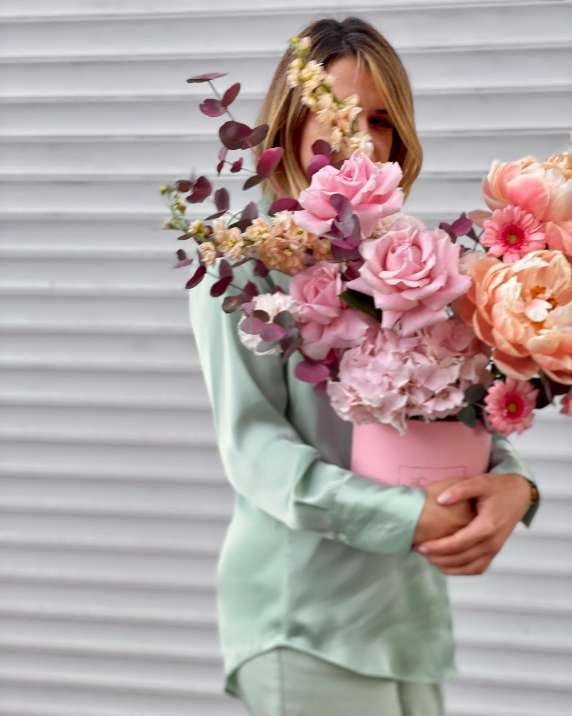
(437, 520)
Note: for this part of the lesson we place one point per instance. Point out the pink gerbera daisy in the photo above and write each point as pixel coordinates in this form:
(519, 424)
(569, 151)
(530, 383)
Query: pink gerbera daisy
(509, 405)
(511, 233)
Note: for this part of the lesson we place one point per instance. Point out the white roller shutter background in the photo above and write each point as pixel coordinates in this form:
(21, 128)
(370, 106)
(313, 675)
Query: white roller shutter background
(113, 500)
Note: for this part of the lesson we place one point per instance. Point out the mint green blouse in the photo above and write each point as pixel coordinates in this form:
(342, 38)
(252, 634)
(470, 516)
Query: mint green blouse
(316, 557)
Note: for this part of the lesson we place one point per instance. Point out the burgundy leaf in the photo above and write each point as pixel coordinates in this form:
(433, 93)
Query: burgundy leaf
(236, 166)
(317, 162)
(184, 185)
(221, 199)
(311, 372)
(269, 161)
(262, 315)
(285, 319)
(272, 332)
(232, 134)
(320, 146)
(290, 347)
(219, 167)
(181, 255)
(202, 188)
(339, 254)
(285, 203)
(230, 95)
(197, 277)
(215, 216)
(449, 229)
(320, 388)
(462, 225)
(252, 325)
(242, 224)
(224, 269)
(342, 205)
(207, 77)
(212, 108)
(351, 271)
(220, 286)
(258, 134)
(253, 181)
(249, 291)
(250, 211)
(260, 269)
(184, 262)
(231, 303)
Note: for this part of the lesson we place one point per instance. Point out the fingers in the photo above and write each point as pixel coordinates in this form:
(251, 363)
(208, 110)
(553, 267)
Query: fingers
(465, 489)
(478, 566)
(478, 530)
(462, 559)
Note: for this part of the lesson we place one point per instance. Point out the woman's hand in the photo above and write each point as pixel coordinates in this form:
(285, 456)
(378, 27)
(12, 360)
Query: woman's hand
(437, 520)
(501, 501)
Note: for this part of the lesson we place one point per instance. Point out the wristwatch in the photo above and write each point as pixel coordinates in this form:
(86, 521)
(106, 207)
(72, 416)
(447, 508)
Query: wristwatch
(533, 492)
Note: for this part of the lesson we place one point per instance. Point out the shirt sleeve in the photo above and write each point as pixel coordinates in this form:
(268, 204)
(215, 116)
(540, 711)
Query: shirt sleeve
(505, 459)
(263, 455)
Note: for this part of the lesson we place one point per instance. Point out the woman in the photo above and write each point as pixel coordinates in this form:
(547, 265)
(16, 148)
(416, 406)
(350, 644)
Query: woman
(324, 609)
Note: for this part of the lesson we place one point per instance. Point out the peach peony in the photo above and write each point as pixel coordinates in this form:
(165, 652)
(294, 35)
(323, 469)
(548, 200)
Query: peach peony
(543, 189)
(524, 311)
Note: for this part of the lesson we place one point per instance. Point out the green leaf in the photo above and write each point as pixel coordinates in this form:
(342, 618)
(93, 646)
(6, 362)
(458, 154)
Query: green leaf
(468, 415)
(361, 302)
(475, 392)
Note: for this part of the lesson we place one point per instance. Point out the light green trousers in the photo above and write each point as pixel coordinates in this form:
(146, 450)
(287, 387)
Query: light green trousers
(289, 682)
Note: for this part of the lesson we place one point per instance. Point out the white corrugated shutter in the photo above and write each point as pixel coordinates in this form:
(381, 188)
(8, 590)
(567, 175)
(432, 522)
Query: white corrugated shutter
(113, 500)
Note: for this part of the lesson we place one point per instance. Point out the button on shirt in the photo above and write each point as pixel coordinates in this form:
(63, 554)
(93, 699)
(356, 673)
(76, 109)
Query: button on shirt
(316, 557)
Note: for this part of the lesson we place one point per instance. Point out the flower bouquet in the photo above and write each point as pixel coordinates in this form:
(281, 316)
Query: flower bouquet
(425, 345)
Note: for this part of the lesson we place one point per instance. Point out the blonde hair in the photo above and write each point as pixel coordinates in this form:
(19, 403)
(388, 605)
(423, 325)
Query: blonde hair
(284, 113)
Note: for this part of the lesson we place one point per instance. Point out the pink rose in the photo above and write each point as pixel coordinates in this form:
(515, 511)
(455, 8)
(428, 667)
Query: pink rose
(412, 274)
(373, 191)
(325, 320)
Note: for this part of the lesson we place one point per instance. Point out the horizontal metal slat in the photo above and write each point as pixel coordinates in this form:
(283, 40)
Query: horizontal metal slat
(438, 110)
(407, 27)
(443, 151)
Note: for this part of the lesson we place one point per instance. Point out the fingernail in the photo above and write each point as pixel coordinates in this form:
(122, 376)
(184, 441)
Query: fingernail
(422, 549)
(445, 497)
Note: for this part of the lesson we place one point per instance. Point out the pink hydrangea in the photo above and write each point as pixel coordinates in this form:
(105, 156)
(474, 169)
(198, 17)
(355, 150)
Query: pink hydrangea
(412, 274)
(389, 378)
(325, 320)
(511, 233)
(510, 405)
(373, 191)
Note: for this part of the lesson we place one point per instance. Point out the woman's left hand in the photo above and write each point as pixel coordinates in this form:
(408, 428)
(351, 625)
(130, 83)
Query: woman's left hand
(501, 501)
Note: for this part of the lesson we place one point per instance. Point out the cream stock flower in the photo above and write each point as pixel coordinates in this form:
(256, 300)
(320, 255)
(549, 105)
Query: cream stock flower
(208, 252)
(230, 241)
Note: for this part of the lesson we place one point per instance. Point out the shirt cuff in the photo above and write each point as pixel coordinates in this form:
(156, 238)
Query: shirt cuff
(377, 517)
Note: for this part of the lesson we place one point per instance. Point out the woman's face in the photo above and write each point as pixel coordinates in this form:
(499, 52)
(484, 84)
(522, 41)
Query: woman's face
(373, 119)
